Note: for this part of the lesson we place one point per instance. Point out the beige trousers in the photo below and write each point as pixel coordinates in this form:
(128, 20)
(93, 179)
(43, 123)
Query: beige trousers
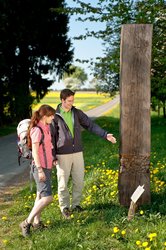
(70, 165)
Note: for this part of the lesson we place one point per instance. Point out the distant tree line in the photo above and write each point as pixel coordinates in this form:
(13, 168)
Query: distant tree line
(33, 43)
(115, 13)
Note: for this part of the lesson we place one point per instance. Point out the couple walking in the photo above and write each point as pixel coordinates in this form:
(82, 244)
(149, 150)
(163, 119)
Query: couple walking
(63, 148)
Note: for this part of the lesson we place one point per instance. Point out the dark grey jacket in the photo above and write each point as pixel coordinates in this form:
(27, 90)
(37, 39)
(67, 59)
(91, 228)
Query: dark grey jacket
(62, 139)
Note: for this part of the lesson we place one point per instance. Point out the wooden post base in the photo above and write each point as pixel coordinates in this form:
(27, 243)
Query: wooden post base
(132, 210)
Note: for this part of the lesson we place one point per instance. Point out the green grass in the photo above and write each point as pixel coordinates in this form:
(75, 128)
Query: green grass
(5, 130)
(103, 225)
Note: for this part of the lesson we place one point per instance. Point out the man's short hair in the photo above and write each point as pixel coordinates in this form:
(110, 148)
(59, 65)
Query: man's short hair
(66, 93)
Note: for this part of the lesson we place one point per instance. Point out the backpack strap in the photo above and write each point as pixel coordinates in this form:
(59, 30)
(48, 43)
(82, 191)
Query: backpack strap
(43, 145)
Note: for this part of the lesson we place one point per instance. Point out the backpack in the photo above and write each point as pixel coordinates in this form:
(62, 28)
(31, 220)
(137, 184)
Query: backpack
(23, 150)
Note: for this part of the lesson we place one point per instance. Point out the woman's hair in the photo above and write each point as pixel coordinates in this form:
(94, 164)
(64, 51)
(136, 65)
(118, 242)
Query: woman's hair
(44, 110)
(66, 93)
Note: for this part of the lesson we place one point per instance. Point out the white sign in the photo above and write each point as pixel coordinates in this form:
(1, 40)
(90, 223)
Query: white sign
(137, 193)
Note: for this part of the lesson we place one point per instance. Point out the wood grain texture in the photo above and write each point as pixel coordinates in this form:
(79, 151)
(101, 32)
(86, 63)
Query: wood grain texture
(135, 125)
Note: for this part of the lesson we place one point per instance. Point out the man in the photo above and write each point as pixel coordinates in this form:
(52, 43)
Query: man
(66, 136)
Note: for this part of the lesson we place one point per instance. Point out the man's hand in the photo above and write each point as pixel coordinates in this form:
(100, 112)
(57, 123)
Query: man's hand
(111, 138)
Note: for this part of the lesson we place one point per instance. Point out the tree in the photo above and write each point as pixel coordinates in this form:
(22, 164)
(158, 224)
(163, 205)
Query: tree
(75, 77)
(33, 43)
(115, 13)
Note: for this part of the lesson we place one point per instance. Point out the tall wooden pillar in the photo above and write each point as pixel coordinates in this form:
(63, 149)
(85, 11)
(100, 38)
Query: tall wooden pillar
(135, 60)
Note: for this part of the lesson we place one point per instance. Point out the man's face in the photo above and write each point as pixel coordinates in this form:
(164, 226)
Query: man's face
(68, 103)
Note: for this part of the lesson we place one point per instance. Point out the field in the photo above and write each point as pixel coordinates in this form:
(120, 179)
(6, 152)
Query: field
(83, 100)
(103, 224)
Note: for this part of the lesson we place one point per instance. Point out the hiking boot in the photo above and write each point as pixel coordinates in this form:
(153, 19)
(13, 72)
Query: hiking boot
(25, 227)
(77, 209)
(39, 226)
(66, 213)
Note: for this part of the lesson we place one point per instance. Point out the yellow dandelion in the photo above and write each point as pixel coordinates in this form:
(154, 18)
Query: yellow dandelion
(112, 193)
(115, 229)
(141, 212)
(72, 216)
(165, 243)
(4, 218)
(123, 232)
(151, 236)
(138, 242)
(145, 244)
(155, 171)
(147, 248)
(48, 222)
(5, 241)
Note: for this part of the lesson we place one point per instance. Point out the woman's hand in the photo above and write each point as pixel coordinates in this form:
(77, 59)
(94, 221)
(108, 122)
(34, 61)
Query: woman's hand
(41, 175)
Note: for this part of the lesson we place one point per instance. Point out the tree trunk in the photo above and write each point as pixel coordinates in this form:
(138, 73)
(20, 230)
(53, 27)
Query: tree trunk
(135, 62)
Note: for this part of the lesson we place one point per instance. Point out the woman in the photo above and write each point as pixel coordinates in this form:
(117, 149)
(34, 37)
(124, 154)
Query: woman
(39, 139)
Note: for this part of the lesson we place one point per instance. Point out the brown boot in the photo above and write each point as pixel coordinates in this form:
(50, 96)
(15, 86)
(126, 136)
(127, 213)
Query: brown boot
(25, 227)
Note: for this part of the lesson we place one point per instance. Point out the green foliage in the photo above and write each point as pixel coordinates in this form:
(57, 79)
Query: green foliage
(75, 77)
(34, 42)
(103, 224)
(115, 13)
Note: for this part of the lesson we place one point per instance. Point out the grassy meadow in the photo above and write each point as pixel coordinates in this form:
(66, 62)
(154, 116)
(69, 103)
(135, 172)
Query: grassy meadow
(103, 224)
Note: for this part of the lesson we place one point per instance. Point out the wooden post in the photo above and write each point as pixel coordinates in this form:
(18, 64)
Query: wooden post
(136, 40)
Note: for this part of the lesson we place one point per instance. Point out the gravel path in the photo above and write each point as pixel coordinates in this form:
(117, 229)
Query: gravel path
(13, 174)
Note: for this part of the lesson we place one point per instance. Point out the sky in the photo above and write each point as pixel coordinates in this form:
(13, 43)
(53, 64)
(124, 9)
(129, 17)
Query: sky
(83, 49)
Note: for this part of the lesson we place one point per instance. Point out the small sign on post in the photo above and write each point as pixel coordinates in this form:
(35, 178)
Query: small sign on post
(134, 198)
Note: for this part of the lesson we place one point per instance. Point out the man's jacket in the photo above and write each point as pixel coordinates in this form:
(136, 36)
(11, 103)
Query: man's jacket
(62, 139)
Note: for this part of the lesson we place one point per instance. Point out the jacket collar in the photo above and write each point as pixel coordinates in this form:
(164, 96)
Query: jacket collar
(58, 108)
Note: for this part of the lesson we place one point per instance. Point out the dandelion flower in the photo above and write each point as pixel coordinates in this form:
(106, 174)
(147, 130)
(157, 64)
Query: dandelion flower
(138, 242)
(5, 241)
(115, 229)
(4, 218)
(141, 212)
(123, 232)
(151, 236)
(72, 216)
(145, 244)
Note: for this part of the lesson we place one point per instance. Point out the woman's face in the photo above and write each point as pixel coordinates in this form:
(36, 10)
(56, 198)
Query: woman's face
(49, 119)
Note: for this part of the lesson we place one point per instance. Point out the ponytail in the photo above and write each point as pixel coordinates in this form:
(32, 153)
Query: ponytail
(44, 110)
